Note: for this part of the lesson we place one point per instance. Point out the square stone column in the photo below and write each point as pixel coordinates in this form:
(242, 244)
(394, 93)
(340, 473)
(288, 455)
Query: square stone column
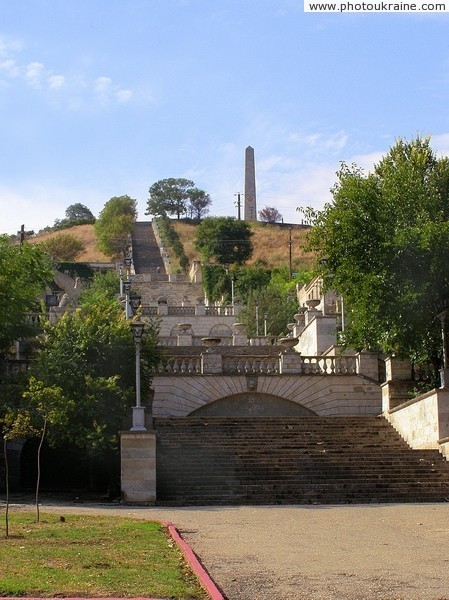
(138, 467)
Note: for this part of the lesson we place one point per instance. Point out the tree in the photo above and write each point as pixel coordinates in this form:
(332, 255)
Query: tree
(115, 223)
(384, 243)
(270, 214)
(89, 356)
(224, 239)
(168, 197)
(24, 272)
(198, 204)
(78, 214)
(63, 247)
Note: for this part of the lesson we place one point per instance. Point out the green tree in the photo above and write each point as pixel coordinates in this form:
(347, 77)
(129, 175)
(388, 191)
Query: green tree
(89, 355)
(63, 247)
(78, 214)
(198, 203)
(169, 197)
(225, 240)
(115, 223)
(270, 214)
(385, 242)
(24, 272)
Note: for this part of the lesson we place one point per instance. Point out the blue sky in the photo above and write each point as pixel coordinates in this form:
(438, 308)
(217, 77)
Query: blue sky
(100, 98)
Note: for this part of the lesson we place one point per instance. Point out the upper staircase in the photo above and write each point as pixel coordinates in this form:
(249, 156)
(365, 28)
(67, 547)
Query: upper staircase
(146, 254)
(292, 460)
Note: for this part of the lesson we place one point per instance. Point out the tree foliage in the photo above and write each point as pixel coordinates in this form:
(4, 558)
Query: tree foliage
(63, 247)
(75, 214)
(385, 241)
(89, 358)
(115, 223)
(198, 203)
(177, 197)
(270, 214)
(225, 240)
(24, 272)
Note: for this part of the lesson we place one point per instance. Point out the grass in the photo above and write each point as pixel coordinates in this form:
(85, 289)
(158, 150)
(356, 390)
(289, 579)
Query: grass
(93, 556)
(271, 245)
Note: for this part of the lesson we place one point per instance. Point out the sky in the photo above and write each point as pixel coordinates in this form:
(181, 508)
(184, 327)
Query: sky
(101, 98)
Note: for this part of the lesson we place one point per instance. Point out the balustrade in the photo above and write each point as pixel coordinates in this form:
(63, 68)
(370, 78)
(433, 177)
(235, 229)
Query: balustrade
(256, 364)
(180, 365)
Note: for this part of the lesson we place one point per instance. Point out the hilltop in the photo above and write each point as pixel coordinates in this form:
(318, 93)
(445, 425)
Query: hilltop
(271, 243)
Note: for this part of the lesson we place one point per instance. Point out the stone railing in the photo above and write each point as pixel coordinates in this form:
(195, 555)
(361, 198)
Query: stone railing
(268, 365)
(180, 365)
(329, 365)
(181, 311)
(289, 362)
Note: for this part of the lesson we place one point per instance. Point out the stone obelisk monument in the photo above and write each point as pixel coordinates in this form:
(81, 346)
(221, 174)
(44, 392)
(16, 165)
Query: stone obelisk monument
(250, 186)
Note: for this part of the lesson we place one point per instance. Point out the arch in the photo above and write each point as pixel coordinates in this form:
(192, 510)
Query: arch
(252, 404)
(220, 330)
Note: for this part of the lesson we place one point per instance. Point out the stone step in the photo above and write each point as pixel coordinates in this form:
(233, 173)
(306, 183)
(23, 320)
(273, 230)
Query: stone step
(293, 460)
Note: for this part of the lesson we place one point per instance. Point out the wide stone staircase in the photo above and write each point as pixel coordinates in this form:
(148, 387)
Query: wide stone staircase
(292, 460)
(146, 254)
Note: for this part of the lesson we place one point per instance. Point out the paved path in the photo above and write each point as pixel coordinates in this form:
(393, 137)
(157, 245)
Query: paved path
(387, 552)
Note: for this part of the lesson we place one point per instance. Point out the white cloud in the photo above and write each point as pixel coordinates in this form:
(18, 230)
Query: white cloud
(123, 95)
(10, 68)
(33, 74)
(56, 82)
(102, 85)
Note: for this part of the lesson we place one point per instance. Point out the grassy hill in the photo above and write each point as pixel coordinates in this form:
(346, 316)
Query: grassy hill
(271, 244)
(86, 234)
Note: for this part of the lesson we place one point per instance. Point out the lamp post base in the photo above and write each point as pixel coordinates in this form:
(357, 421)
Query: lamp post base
(138, 419)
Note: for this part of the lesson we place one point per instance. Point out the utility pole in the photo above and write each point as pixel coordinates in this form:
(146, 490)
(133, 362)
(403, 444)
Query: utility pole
(290, 251)
(239, 205)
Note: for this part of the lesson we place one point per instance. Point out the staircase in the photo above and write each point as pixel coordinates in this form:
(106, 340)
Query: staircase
(292, 460)
(146, 255)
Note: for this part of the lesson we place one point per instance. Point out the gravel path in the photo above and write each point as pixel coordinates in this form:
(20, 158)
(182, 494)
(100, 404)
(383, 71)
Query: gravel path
(371, 552)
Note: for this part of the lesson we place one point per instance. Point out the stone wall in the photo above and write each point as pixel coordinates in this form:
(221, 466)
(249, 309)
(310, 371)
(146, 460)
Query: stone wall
(329, 395)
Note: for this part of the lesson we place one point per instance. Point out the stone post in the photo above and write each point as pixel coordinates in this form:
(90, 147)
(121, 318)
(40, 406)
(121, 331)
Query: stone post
(368, 365)
(239, 337)
(138, 467)
(398, 369)
(211, 361)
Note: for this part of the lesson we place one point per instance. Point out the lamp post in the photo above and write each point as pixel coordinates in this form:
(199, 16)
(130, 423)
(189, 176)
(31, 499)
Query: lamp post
(138, 410)
(265, 317)
(232, 294)
(127, 289)
(121, 281)
(442, 312)
(134, 301)
(127, 261)
(257, 318)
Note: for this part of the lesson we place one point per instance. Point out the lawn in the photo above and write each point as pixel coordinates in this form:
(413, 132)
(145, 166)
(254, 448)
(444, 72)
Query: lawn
(92, 556)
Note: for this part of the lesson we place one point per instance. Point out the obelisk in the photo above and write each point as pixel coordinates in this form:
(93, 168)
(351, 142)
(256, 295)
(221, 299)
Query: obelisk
(250, 186)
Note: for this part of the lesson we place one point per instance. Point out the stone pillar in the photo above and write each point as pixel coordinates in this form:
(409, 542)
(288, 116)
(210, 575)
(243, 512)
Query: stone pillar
(398, 369)
(290, 362)
(138, 467)
(211, 363)
(250, 186)
(368, 365)
(239, 337)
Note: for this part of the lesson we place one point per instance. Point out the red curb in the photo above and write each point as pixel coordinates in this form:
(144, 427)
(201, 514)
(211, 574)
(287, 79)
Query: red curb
(204, 577)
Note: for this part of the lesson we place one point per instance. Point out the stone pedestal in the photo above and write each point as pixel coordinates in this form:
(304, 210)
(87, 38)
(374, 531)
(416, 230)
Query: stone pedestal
(138, 467)
(290, 362)
(398, 369)
(368, 365)
(211, 363)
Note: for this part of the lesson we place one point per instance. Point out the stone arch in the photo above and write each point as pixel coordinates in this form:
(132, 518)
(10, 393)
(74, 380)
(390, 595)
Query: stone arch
(252, 404)
(220, 330)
